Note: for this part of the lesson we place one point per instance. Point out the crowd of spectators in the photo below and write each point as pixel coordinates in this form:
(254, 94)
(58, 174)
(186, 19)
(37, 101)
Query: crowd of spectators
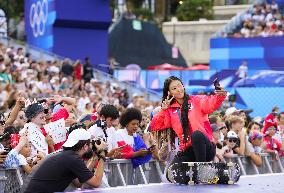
(236, 133)
(35, 93)
(43, 102)
(264, 20)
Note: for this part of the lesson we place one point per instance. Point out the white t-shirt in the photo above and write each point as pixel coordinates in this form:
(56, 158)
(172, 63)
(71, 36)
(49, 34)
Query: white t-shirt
(122, 135)
(36, 138)
(44, 86)
(274, 6)
(242, 72)
(111, 133)
(82, 103)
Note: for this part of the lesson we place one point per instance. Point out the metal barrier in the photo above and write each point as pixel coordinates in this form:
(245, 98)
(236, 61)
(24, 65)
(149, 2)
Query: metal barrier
(11, 180)
(120, 172)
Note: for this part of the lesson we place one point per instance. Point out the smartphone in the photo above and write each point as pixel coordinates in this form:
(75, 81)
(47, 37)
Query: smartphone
(150, 148)
(216, 84)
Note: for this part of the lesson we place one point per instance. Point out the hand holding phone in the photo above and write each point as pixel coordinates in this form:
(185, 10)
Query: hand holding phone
(216, 84)
(151, 148)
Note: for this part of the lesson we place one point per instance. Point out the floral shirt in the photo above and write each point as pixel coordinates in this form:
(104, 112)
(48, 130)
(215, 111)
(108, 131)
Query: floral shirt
(15, 160)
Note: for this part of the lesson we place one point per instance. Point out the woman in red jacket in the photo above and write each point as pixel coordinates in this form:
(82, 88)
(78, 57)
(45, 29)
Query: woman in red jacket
(188, 117)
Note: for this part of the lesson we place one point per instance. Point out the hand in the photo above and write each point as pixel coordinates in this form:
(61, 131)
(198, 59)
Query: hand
(56, 99)
(21, 102)
(152, 148)
(166, 103)
(24, 138)
(102, 146)
(143, 152)
(40, 155)
(148, 138)
(221, 92)
(49, 140)
(242, 135)
(276, 155)
(117, 155)
(102, 154)
(2, 158)
(30, 161)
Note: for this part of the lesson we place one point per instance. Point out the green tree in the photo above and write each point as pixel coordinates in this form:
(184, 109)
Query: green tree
(12, 8)
(192, 10)
(135, 3)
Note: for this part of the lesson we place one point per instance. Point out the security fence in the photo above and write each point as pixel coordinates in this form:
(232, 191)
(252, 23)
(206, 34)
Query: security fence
(121, 173)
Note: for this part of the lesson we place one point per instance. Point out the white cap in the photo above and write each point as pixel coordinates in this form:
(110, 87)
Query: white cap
(257, 119)
(53, 69)
(75, 136)
(64, 79)
(232, 134)
(230, 111)
(136, 95)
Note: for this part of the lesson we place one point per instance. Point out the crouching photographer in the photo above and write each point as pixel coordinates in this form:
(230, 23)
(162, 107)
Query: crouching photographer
(99, 148)
(60, 169)
(103, 129)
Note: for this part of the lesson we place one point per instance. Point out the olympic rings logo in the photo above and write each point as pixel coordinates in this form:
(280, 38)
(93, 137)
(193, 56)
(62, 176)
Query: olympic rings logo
(38, 17)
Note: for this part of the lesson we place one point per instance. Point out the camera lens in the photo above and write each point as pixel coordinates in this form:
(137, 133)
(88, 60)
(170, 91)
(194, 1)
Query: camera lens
(98, 142)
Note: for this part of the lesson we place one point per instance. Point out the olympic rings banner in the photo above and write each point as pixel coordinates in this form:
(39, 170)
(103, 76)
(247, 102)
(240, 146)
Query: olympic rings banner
(70, 28)
(39, 17)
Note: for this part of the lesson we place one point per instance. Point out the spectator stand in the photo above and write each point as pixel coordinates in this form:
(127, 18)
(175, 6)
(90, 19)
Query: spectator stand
(234, 23)
(40, 54)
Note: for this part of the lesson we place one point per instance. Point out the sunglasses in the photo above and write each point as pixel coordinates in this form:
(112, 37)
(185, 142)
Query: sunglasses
(232, 140)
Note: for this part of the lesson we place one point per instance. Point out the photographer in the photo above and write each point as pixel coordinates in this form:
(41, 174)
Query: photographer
(104, 129)
(60, 169)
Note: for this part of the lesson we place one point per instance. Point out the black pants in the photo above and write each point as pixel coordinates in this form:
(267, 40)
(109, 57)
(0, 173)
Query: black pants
(202, 150)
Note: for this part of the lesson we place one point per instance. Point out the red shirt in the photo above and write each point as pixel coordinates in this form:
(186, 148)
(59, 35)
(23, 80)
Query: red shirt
(272, 144)
(78, 72)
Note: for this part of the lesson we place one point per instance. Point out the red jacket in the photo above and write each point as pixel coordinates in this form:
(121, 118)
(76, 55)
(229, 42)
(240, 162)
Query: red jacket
(201, 106)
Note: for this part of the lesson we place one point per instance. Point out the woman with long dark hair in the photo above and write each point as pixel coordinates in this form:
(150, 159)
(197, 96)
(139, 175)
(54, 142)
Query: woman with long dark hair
(188, 117)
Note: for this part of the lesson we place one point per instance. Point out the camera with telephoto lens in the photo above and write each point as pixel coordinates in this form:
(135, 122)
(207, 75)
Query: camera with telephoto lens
(97, 142)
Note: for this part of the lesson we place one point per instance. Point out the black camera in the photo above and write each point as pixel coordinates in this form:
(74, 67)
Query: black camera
(101, 123)
(96, 142)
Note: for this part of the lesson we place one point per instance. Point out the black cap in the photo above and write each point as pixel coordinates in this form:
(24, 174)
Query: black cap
(33, 110)
(215, 127)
